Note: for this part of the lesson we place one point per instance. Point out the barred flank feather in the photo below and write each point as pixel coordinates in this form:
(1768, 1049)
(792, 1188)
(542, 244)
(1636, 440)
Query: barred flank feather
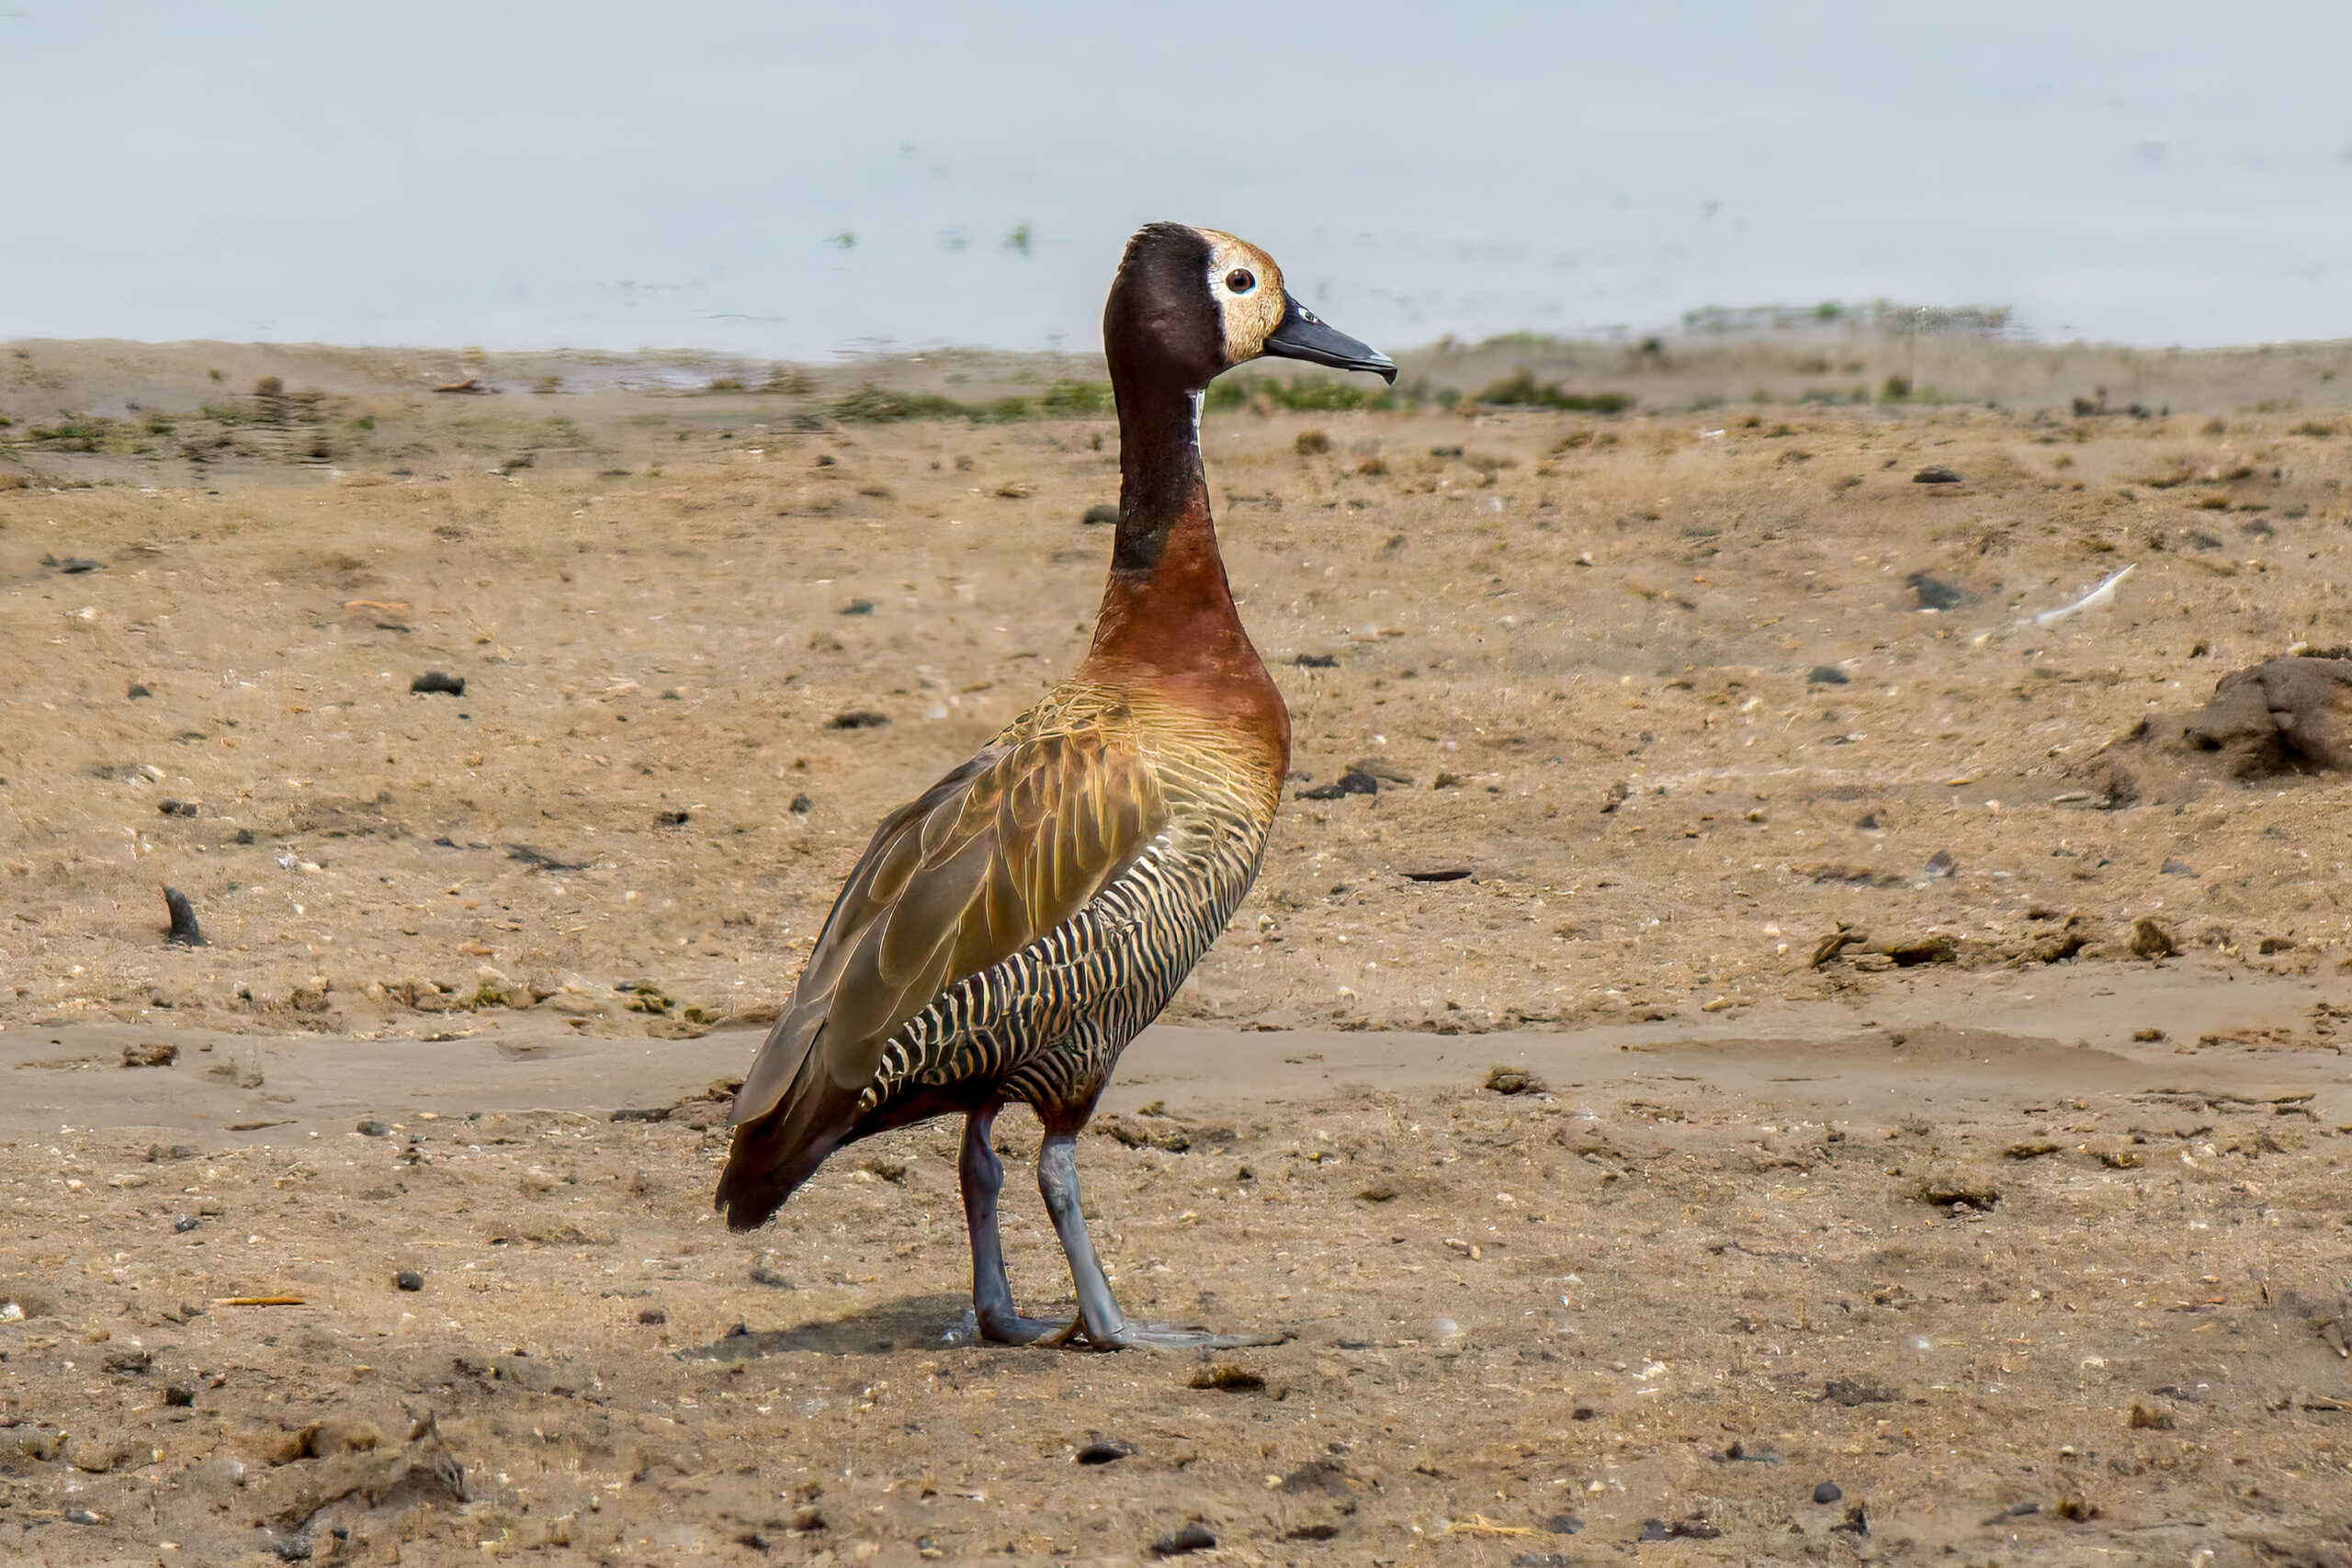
(1008, 933)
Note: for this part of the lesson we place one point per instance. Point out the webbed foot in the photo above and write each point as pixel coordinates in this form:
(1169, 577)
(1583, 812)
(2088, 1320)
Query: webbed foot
(1012, 1328)
(1134, 1336)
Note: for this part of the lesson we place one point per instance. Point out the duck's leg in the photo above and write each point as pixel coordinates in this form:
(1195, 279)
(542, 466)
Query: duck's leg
(983, 1175)
(1100, 1321)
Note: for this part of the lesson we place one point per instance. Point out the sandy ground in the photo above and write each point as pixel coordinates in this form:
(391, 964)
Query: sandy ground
(1982, 1212)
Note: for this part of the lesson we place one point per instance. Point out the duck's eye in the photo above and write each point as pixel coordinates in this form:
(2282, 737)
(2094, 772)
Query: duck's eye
(1240, 280)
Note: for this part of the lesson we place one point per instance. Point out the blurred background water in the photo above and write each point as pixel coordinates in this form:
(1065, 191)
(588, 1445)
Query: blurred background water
(798, 181)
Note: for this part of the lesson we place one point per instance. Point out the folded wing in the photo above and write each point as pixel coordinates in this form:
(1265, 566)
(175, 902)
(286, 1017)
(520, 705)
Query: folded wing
(991, 857)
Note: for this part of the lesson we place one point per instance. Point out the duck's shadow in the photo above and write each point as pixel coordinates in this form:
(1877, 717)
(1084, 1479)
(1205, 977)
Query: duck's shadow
(914, 1322)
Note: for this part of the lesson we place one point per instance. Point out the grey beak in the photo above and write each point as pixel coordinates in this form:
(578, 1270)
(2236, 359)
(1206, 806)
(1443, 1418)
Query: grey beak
(1303, 335)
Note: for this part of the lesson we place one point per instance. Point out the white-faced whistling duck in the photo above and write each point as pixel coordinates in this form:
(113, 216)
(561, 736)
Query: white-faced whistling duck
(1010, 930)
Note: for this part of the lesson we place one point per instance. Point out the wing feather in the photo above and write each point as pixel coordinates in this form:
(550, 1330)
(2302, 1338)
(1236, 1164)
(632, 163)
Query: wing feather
(984, 862)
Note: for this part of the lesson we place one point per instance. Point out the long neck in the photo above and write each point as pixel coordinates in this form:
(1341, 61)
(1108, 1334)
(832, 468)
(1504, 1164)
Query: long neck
(1167, 614)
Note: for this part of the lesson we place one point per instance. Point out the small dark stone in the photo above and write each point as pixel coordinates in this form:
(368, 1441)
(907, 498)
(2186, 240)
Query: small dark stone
(1317, 660)
(435, 680)
(644, 1113)
(860, 719)
(185, 1224)
(73, 566)
(1099, 514)
(1940, 863)
(1312, 1532)
(1194, 1537)
(137, 690)
(1826, 675)
(671, 818)
(1106, 1451)
(1353, 782)
(1849, 1392)
(857, 607)
(408, 1279)
(1828, 1492)
(1933, 592)
(291, 1548)
(1564, 1524)
(178, 807)
(1584, 1413)
(1448, 874)
(2173, 867)
(802, 806)
(652, 1317)
(179, 1397)
(1936, 474)
(185, 931)
(374, 1129)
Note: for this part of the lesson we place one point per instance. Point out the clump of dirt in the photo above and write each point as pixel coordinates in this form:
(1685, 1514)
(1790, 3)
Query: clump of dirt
(2283, 716)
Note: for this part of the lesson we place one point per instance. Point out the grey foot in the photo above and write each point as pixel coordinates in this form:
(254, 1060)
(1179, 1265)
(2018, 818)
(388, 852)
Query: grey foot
(1135, 1336)
(1012, 1328)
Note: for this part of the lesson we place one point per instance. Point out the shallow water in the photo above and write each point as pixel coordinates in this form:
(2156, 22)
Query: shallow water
(779, 182)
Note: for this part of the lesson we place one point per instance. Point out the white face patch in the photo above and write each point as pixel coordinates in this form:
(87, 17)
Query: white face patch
(1248, 289)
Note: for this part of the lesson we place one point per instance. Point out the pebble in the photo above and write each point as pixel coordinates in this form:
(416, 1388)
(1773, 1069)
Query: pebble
(1564, 1524)
(375, 1129)
(671, 818)
(1099, 514)
(1353, 781)
(137, 690)
(2151, 940)
(1933, 592)
(652, 1317)
(408, 1279)
(802, 806)
(859, 719)
(1936, 474)
(437, 681)
(185, 931)
(84, 1516)
(1194, 1537)
(1826, 675)
(185, 1224)
(1828, 1492)
(1106, 1450)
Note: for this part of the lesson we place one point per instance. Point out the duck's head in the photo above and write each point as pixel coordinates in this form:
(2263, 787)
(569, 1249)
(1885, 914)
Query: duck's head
(1189, 303)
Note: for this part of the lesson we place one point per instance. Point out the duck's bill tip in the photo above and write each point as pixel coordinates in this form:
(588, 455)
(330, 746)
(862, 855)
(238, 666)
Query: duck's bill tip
(1303, 335)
